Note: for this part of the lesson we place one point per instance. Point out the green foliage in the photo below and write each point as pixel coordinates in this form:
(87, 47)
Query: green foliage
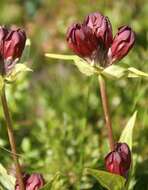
(127, 133)
(108, 180)
(7, 182)
(113, 71)
(81, 64)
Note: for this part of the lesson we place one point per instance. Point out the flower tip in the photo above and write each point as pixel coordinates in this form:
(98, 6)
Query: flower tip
(122, 43)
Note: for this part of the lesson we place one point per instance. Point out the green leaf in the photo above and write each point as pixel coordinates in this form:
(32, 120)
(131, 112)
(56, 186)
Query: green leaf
(59, 56)
(133, 72)
(114, 72)
(85, 68)
(108, 180)
(17, 70)
(6, 180)
(127, 133)
(88, 69)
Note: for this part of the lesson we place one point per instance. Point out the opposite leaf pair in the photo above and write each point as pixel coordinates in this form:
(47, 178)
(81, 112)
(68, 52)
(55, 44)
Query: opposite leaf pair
(93, 40)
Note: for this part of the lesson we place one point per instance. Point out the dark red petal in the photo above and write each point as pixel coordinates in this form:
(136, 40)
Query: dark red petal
(122, 43)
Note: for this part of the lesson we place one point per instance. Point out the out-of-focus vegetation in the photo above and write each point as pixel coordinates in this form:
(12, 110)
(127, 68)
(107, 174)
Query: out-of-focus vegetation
(56, 110)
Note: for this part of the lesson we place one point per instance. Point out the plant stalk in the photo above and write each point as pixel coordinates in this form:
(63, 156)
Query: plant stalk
(11, 137)
(105, 105)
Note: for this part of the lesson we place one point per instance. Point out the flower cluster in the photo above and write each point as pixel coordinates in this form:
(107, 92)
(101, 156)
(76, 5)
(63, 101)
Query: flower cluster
(31, 182)
(12, 43)
(119, 160)
(93, 40)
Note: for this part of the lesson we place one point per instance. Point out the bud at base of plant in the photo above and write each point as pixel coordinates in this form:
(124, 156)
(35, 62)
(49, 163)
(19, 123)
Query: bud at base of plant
(31, 182)
(119, 160)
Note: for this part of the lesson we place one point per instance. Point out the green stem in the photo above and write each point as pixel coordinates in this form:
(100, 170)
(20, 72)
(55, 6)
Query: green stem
(105, 106)
(12, 139)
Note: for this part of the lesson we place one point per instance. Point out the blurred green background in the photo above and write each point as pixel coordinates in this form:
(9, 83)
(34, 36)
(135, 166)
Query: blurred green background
(56, 110)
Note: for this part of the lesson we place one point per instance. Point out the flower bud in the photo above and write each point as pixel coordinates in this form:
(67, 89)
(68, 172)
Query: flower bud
(81, 40)
(119, 160)
(31, 182)
(122, 43)
(102, 28)
(93, 40)
(14, 44)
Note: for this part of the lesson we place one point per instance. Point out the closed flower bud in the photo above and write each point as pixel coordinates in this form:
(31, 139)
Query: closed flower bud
(102, 28)
(122, 43)
(124, 151)
(34, 182)
(119, 160)
(14, 44)
(81, 40)
(93, 40)
(31, 182)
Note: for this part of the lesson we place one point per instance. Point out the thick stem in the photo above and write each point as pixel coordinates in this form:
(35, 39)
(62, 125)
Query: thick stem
(105, 105)
(12, 139)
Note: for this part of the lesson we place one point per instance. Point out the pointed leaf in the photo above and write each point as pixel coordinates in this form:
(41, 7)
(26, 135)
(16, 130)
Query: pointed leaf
(127, 133)
(85, 68)
(6, 180)
(114, 72)
(108, 180)
(59, 56)
(133, 72)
